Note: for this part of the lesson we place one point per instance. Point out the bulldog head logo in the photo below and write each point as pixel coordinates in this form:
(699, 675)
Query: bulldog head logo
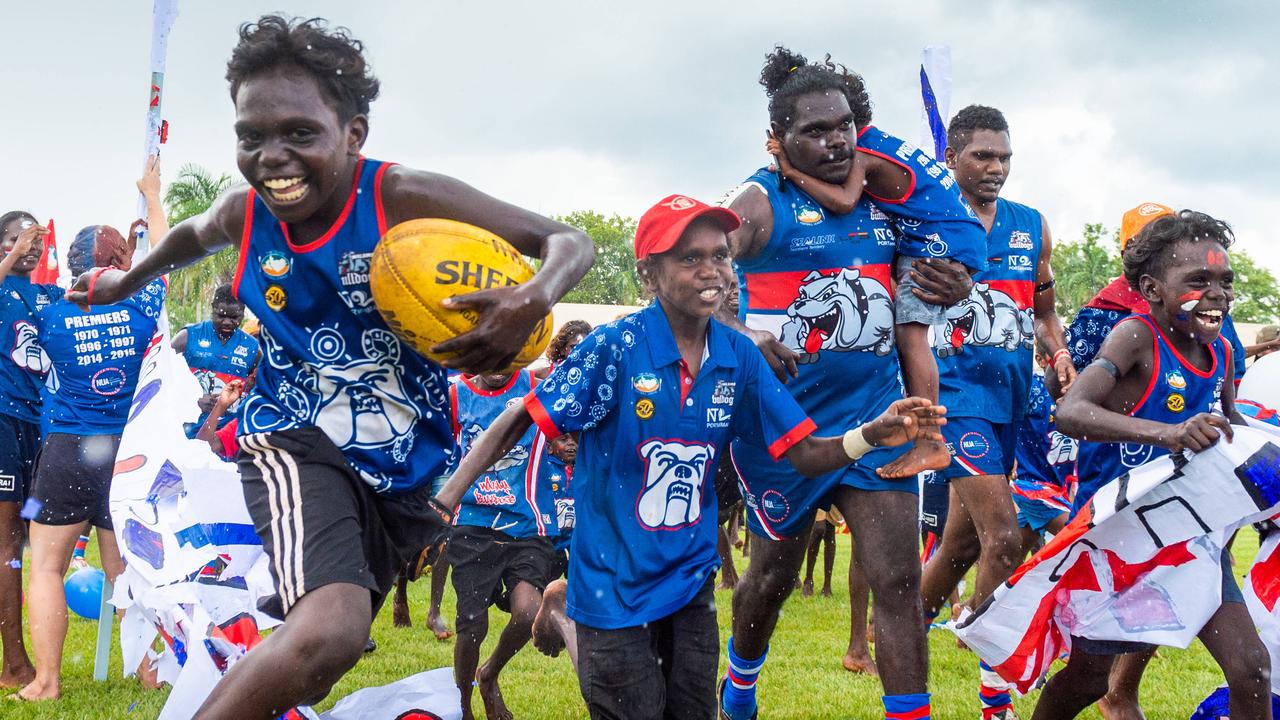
(986, 317)
(842, 313)
(674, 474)
(27, 353)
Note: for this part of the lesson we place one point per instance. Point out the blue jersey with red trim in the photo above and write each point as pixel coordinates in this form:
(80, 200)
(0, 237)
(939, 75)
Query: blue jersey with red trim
(651, 436)
(1046, 457)
(560, 476)
(328, 358)
(510, 496)
(95, 359)
(821, 285)
(932, 217)
(984, 343)
(214, 362)
(23, 367)
(1176, 391)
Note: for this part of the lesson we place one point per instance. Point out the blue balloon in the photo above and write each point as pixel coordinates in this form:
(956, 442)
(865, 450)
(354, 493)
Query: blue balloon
(84, 592)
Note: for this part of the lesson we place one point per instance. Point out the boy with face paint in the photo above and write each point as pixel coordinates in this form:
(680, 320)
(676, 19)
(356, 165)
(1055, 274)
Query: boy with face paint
(217, 351)
(656, 397)
(346, 426)
(1162, 384)
(22, 370)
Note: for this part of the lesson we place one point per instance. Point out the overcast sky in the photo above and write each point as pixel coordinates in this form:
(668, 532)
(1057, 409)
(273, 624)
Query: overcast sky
(560, 106)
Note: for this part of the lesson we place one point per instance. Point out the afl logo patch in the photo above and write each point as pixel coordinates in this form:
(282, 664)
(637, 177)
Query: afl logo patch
(644, 408)
(774, 505)
(1175, 403)
(974, 445)
(276, 297)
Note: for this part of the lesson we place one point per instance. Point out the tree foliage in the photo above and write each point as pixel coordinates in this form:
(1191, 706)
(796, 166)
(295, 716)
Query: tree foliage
(191, 288)
(613, 279)
(1083, 267)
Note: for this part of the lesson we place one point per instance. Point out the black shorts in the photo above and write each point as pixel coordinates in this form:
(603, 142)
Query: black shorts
(487, 565)
(73, 479)
(559, 566)
(19, 445)
(320, 523)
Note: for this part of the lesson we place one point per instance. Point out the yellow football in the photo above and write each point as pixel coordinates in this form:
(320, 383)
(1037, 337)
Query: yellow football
(419, 263)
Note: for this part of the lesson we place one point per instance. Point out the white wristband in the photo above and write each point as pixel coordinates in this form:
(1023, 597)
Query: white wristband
(855, 446)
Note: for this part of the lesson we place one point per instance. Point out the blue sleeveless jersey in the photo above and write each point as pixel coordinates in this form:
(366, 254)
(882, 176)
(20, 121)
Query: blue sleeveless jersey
(984, 344)
(932, 217)
(329, 360)
(1176, 391)
(1045, 456)
(215, 363)
(822, 287)
(23, 367)
(95, 360)
(560, 476)
(1091, 325)
(511, 496)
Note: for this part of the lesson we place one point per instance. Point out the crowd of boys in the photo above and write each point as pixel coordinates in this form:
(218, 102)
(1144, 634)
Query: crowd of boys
(890, 310)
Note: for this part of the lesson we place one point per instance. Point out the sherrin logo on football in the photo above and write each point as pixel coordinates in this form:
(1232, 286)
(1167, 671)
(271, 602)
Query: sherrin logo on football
(420, 263)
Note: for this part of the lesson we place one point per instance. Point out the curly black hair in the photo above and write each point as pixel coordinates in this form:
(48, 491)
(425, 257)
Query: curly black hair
(787, 75)
(558, 349)
(1150, 251)
(333, 57)
(224, 294)
(974, 117)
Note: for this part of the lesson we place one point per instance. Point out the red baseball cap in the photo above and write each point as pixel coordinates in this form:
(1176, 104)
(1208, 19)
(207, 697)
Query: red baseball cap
(662, 225)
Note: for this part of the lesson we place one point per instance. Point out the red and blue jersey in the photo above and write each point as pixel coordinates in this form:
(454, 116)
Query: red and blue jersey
(95, 358)
(23, 367)
(1046, 457)
(214, 362)
(931, 216)
(651, 435)
(560, 475)
(984, 343)
(1176, 391)
(328, 358)
(510, 496)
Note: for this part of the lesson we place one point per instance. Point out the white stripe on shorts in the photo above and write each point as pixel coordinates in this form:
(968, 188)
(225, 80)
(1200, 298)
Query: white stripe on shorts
(284, 501)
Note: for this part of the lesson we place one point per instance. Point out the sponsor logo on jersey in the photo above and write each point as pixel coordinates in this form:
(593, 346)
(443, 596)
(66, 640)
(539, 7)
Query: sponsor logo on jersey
(644, 408)
(723, 394)
(276, 297)
(718, 417)
(774, 505)
(205, 344)
(8, 483)
(646, 383)
(275, 264)
(353, 268)
(1020, 240)
(807, 214)
(877, 213)
(1176, 403)
(1175, 380)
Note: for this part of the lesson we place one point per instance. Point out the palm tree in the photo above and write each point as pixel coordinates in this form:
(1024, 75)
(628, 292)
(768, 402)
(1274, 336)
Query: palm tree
(191, 288)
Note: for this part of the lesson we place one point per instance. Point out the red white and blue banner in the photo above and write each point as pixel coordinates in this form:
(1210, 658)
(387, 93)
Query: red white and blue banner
(1141, 564)
(935, 98)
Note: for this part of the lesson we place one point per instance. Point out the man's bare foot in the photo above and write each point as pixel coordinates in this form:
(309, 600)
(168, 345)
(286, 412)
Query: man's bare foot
(807, 588)
(546, 629)
(860, 662)
(438, 626)
(14, 678)
(826, 591)
(494, 707)
(922, 456)
(1113, 708)
(36, 690)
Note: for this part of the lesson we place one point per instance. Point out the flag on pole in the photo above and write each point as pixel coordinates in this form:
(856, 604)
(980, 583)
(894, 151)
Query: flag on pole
(163, 13)
(935, 97)
(48, 271)
(1141, 563)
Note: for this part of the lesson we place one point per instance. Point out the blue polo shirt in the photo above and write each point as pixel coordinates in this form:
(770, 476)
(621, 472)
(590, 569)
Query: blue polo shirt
(24, 364)
(651, 435)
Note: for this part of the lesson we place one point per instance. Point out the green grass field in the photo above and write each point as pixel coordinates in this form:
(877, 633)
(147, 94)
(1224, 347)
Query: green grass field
(804, 678)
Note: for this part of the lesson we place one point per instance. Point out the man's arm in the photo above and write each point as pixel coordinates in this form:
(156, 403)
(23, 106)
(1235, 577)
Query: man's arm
(1048, 327)
(1082, 414)
(179, 343)
(21, 246)
(839, 199)
(507, 315)
(903, 421)
(492, 444)
(752, 205)
(192, 240)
